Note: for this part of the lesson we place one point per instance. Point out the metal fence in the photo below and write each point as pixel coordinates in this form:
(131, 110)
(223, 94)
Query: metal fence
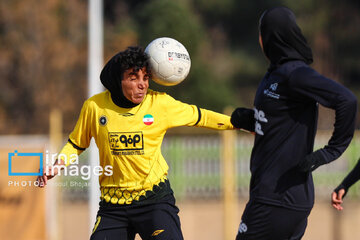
(195, 165)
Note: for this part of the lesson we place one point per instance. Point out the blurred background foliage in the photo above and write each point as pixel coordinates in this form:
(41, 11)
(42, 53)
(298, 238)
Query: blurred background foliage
(43, 51)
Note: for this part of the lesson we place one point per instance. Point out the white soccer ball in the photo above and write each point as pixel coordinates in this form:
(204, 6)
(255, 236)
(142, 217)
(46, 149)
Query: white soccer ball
(169, 61)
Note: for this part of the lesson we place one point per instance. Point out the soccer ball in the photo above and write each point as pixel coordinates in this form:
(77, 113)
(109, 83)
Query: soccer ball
(169, 61)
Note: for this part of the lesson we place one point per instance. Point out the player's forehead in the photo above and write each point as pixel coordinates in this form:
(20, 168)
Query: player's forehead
(136, 71)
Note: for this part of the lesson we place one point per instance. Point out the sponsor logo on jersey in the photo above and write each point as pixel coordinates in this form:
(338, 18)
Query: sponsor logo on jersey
(243, 228)
(273, 86)
(271, 91)
(103, 120)
(126, 143)
(148, 119)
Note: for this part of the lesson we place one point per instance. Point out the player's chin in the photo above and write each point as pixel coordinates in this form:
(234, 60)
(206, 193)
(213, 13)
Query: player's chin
(138, 99)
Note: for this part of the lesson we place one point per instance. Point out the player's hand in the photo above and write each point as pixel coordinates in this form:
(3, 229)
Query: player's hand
(243, 118)
(48, 173)
(337, 199)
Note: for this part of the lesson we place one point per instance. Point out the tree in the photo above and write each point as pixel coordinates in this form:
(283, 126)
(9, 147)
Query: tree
(43, 62)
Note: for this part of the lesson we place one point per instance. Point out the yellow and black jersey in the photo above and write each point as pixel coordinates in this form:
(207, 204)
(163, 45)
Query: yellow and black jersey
(129, 139)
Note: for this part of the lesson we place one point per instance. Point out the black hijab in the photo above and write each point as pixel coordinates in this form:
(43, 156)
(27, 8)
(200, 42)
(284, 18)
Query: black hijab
(112, 73)
(282, 38)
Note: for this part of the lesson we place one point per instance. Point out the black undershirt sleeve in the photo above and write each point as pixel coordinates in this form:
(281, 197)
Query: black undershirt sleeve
(352, 177)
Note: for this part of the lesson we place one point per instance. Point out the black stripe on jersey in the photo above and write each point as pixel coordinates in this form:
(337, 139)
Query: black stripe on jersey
(77, 147)
(199, 116)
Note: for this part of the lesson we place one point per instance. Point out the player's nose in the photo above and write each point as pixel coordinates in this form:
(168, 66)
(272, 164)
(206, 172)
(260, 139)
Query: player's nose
(142, 83)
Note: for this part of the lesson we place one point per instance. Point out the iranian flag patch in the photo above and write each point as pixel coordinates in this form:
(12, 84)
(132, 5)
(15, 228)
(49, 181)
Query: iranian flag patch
(148, 119)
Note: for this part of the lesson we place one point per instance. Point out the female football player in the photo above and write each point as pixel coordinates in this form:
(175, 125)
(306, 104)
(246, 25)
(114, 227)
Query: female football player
(128, 122)
(285, 116)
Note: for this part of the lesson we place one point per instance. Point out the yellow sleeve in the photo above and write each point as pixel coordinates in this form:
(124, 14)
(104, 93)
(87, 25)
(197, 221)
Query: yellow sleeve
(179, 113)
(81, 135)
(182, 114)
(68, 154)
(214, 120)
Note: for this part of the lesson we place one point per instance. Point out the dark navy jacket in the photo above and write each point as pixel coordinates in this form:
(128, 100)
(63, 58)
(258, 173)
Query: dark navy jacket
(286, 109)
